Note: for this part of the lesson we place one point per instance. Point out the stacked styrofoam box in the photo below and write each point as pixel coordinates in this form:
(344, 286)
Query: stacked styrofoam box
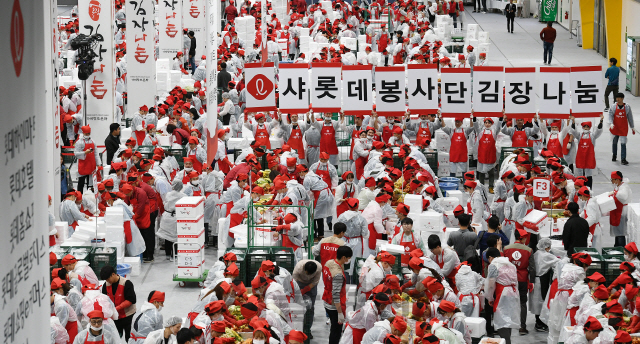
(114, 229)
(633, 221)
(414, 202)
(483, 48)
(162, 81)
(443, 159)
(439, 32)
(535, 218)
(449, 203)
(163, 65)
(174, 79)
(559, 227)
(483, 37)
(349, 42)
(313, 48)
(477, 326)
(391, 248)
(297, 315)
(326, 5)
(443, 143)
(304, 32)
(246, 28)
(450, 219)
(62, 230)
(473, 29)
(459, 195)
(135, 263)
(304, 44)
(190, 227)
(362, 42)
(429, 221)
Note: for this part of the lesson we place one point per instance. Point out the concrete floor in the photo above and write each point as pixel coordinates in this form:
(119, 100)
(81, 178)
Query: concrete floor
(522, 48)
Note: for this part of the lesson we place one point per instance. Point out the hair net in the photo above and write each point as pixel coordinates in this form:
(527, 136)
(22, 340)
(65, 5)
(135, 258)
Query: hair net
(174, 320)
(225, 95)
(544, 243)
(176, 185)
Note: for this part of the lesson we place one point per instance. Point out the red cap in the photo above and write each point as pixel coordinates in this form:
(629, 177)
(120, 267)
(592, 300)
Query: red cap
(267, 265)
(584, 191)
(297, 336)
(246, 312)
(614, 306)
(616, 175)
(230, 256)
(68, 259)
(126, 188)
(387, 257)
(622, 337)
(632, 248)
(218, 326)
(403, 209)
(447, 306)
(433, 285)
(353, 203)
(214, 307)
(291, 162)
(242, 176)
(582, 257)
(369, 182)
(56, 283)
(399, 324)
(86, 130)
(586, 124)
(470, 184)
(416, 263)
(597, 277)
(601, 292)
(383, 198)
(459, 210)
(258, 282)
(157, 296)
(324, 156)
(392, 282)
(52, 258)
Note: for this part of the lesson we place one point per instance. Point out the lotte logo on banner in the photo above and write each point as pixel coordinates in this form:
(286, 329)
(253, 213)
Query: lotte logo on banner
(17, 37)
(260, 87)
(94, 10)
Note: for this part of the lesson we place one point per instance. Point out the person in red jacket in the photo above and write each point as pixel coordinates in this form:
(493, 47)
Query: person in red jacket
(521, 256)
(326, 248)
(142, 217)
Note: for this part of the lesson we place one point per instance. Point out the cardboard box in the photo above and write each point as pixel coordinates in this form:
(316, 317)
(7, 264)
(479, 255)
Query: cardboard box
(190, 208)
(190, 226)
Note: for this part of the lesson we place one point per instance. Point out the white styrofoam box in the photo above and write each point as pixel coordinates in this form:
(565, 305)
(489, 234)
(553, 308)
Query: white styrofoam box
(544, 228)
(239, 231)
(443, 147)
(450, 219)
(483, 47)
(304, 32)
(449, 203)
(559, 228)
(61, 227)
(393, 249)
(190, 208)
(483, 36)
(163, 65)
(192, 238)
(535, 217)
(118, 245)
(474, 43)
(476, 326)
(190, 272)
(472, 28)
(444, 171)
(349, 42)
(304, 43)
(81, 236)
(241, 242)
(442, 137)
(193, 251)
(431, 221)
(175, 76)
(414, 202)
(605, 224)
(190, 226)
(459, 195)
(471, 35)
(443, 158)
(425, 236)
(439, 32)
(136, 265)
(313, 47)
(164, 140)
(606, 203)
(264, 237)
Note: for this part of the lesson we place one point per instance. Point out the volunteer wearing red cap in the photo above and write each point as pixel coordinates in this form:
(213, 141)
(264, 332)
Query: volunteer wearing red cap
(122, 293)
(148, 318)
(373, 214)
(335, 293)
(292, 233)
(382, 330)
(249, 165)
(354, 130)
(326, 248)
(618, 218)
(522, 209)
(61, 308)
(322, 196)
(70, 212)
(378, 269)
(398, 138)
(521, 256)
(559, 141)
(590, 331)
(402, 211)
(367, 195)
(220, 265)
(138, 124)
(86, 151)
(425, 128)
(193, 187)
(476, 203)
(458, 155)
(591, 213)
(197, 154)
(501, 292)
(519, 134)
(79, 269)
(585, 154)
(344, 191)
(487, 159)
(325, 170)
(357, 230)
(388, 127)
(96, 332)
(564, 189)
(408, 239)
(621, 119)
(501, 191)
(622, 337)
(631, 254)
(364, 319)
(261, 130)
(150, 137)
(361, 147)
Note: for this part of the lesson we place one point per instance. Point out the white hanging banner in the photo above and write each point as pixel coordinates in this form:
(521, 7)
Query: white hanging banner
(586, 91)
(193, 19)
(423, 88)
(24, 250)
(456, 92)
(357, 87)
(520, 100)
(141, 64)
(212, 80)
(326, 81)
(96, 17)
(260, 87)
(54, 142)
(170, 29)
(487, 91)
(390, 86)
(293, 87)
(553, 89)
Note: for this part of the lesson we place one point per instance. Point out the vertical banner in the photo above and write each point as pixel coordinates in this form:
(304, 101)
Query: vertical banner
(586, 91)
(96, 18)
(487, 91)
(54, 143)
(423, 88)
(24, 250)
(170, 29)
(554, 87)
(357, 89)
(212, 79)
(263, 32)
(141, 64)
(520, 100)
(326, 95)
(390, 91)
(549, 9)
(193, 18)
(456, 92)
(260, 87)
(293, 88)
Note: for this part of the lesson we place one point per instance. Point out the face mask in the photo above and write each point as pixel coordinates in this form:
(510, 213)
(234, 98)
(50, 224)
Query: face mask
(195, 182)
(229, 300)
(159, 308)
(218, 318)
(87, 137)
(626, 257)
(291, 170)
(255, 199)
(370, 138)
(349, 183)
(554, 131)
(424, 121)
(188, 169)
(258, 341)
(97, 329)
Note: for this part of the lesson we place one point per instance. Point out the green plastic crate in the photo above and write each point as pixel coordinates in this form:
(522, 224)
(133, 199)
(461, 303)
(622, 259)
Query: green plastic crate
(609, 250)
(178, 153)
(611, 265)
(146, 151)
(68, 157)
(597, 264)
(241, 263)
(58, 263)
(253, 261)
(590, 250)
(127, 122)
(284, 257)
(396, 269)
(100, 260)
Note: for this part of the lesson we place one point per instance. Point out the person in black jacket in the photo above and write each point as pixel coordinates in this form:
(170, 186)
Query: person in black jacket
(510, 12)
(576, 230)
(112, 142)
(223, 78)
